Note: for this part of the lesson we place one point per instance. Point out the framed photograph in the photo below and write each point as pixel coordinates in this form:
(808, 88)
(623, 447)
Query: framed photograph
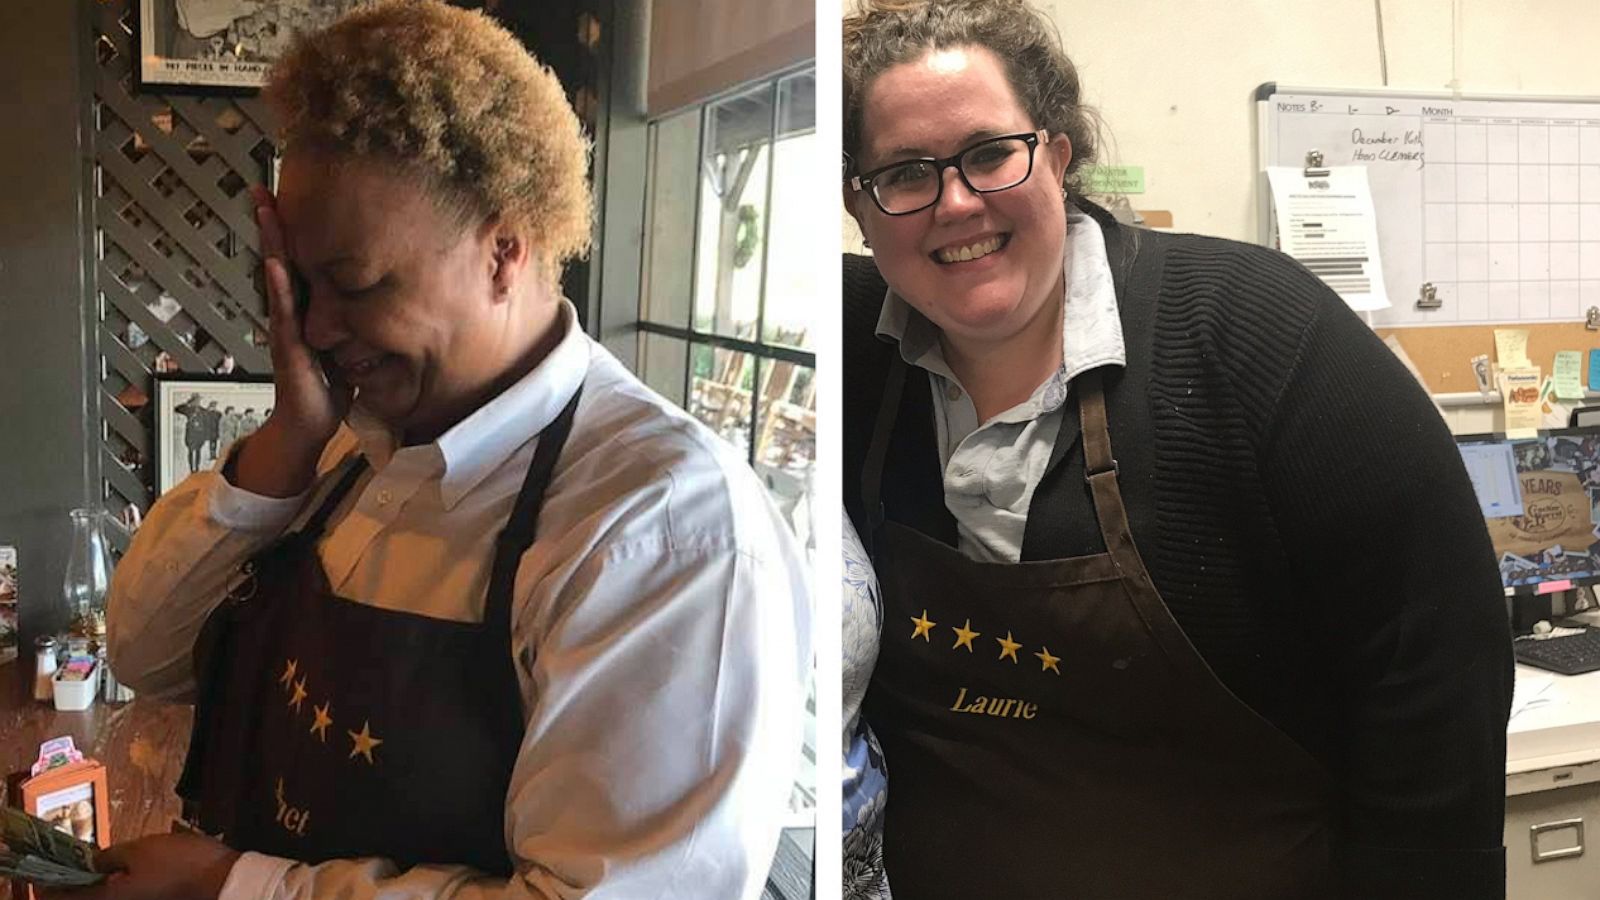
(10, 630)
(199, 416)
(221, 46)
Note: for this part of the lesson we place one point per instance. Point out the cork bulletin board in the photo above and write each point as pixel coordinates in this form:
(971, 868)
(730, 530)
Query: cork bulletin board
(1443, 353)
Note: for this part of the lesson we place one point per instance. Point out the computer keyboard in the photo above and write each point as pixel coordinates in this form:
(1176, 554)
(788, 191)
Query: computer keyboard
(1568, 654)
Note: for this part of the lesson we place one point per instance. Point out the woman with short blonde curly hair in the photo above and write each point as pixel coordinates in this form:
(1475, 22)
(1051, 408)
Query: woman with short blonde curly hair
(455, 98)
(473, 605)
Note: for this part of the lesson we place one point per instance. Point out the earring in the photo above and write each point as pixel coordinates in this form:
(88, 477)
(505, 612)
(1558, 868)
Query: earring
(866, 243)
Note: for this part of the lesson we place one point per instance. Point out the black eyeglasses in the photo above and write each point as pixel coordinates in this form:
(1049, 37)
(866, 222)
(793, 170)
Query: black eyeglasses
(991, 165)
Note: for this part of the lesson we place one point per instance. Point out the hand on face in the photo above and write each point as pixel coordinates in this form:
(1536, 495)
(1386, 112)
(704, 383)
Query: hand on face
(159, 867)
(309, 404)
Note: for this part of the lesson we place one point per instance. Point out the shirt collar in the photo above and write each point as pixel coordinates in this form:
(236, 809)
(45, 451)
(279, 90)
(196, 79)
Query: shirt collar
(1091, 329)
(477, 445)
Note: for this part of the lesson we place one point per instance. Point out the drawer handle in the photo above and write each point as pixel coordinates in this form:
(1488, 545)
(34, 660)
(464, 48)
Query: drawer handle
(1564, 852)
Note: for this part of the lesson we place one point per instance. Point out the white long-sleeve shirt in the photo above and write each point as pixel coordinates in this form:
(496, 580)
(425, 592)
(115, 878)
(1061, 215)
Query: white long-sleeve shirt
(661, 619)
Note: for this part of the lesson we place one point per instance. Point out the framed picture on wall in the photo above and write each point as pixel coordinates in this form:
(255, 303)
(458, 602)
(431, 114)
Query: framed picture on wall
(199, 416)
(220, 46)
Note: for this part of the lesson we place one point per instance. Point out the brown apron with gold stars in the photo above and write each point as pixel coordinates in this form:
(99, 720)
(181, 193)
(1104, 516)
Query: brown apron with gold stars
(1051, 732)
(327, 728)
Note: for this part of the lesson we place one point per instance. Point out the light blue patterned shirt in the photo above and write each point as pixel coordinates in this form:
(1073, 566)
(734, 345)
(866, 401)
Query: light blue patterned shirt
(865, 772)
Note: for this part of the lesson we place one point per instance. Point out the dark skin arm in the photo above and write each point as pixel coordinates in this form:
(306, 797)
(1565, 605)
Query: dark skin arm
(158, 867)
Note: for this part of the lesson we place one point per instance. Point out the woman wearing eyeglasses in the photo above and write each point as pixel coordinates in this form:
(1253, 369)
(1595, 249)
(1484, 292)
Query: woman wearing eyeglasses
(1186, 591)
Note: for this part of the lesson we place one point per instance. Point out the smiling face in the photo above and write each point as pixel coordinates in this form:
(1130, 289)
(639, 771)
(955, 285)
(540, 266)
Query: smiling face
(404, 303)
(980, 266)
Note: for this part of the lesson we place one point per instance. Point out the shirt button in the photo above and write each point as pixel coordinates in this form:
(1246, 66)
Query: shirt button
(953, 392)
(384, 497)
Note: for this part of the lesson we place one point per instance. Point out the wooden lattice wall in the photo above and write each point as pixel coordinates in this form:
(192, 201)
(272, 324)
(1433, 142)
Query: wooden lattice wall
(176, 252)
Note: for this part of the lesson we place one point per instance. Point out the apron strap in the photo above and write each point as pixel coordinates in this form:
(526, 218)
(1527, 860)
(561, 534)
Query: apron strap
(319, 520)
(1100, 471)
(513, 541)
(1097, 458)
(878, 451)
(520, 529)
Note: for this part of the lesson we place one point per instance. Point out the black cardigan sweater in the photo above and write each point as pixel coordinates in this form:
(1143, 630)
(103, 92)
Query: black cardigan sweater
(1306, 517)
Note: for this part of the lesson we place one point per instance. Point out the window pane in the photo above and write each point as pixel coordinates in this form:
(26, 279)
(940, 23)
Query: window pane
(733, 206)
(719, 394)
(669, 220)
(787, 423)
(663, 362)
(786, 440)
(800, 212)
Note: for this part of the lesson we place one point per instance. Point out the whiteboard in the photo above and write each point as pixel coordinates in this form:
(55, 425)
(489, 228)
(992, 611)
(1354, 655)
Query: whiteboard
(1495, 200)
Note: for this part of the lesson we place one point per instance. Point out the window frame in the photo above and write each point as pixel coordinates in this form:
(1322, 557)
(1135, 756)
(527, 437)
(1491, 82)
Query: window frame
(760, 351)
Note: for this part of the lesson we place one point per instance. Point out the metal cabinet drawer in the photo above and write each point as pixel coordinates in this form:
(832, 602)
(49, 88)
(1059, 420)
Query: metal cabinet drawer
(1547, 835)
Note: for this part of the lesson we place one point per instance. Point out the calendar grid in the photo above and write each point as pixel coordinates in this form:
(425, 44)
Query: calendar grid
(1511, 219)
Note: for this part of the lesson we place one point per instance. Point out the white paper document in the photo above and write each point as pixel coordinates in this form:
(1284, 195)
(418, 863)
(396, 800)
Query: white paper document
(1529, 692)
(1326, 222)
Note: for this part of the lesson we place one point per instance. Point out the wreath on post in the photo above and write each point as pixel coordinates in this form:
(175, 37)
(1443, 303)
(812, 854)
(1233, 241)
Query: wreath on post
(746, 235)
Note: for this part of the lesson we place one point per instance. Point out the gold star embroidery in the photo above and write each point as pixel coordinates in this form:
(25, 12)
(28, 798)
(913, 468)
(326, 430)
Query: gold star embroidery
(365, 743)
(320, 726)
(288, 672)
(964, 635)
(924, 625)
(299, 695)
(1008, 647)
(1048, 661)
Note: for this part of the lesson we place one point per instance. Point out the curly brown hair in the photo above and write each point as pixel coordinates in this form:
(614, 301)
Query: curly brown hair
(450, 95)
(886, 33)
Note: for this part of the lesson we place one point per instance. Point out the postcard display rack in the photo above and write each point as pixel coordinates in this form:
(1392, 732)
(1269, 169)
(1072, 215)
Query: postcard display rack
(71, 795)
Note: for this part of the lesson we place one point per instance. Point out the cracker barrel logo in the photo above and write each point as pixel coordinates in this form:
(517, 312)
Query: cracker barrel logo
(1543, 512)
(1527, 394)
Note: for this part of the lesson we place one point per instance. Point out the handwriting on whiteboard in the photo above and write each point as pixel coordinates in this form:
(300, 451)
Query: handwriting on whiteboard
(1386, 147)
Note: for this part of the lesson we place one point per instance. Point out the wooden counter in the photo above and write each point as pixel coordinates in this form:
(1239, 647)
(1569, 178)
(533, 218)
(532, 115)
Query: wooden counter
(141, 744)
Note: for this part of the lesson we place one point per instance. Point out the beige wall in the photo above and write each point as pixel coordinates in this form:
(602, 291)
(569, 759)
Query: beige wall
(1174, 80)
(1176, 99)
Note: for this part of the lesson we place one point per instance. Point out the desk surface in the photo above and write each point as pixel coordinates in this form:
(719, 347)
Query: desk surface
(141, 744)
(1563, 731)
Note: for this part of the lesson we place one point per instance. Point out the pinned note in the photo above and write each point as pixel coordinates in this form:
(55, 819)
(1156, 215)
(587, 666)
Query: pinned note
(1480, 373)
(1113, 179)
(1520, 389)
(1594, 370)
(1569, 369)
(1511, 348)
(1326, 221)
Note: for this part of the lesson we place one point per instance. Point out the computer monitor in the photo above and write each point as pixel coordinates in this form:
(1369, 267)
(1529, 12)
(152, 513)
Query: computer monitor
(1541, 499)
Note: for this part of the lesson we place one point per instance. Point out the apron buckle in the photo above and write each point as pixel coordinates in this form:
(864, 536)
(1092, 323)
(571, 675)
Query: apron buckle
(244, 589)
(877, 516)
(1089, 474)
